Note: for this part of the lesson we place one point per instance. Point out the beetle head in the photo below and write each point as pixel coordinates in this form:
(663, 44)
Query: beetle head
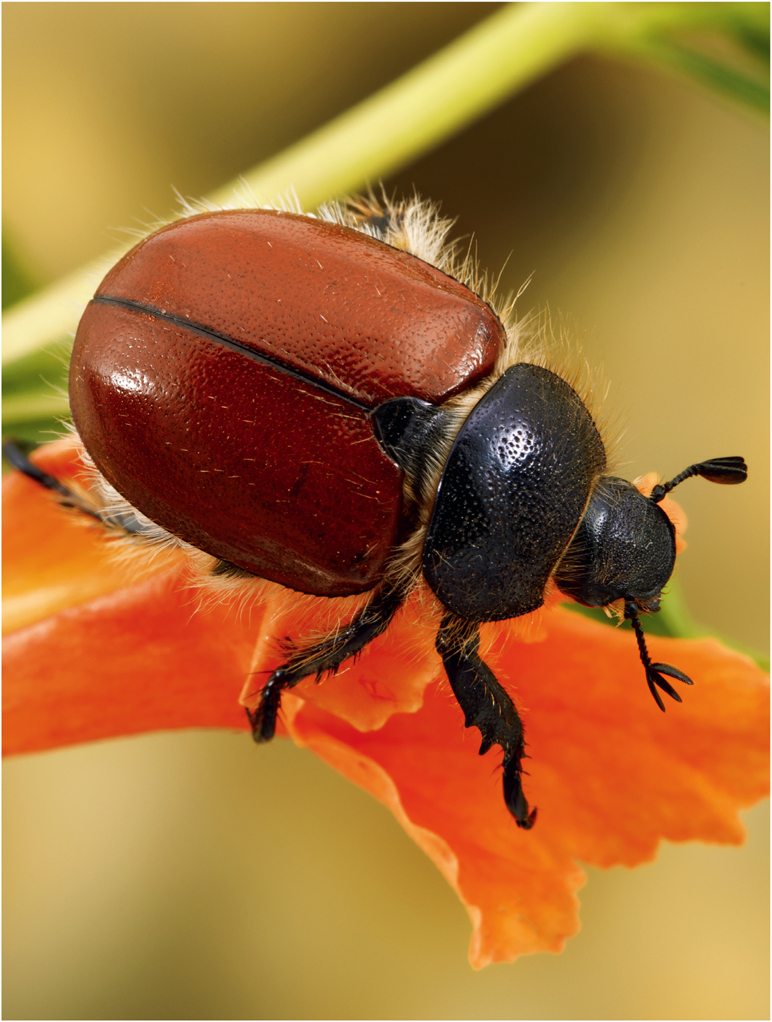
(624, 548)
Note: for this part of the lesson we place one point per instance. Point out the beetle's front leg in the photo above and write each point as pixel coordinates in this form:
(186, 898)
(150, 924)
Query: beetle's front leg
(326, 655)
(487, 706)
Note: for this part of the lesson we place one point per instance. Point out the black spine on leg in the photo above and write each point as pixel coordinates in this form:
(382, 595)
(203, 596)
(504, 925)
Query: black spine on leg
(487, 706)
(326, 655)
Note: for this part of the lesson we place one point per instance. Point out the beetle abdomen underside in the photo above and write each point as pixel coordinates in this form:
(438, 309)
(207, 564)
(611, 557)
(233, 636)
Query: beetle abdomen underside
(512, 493)
(222, 378)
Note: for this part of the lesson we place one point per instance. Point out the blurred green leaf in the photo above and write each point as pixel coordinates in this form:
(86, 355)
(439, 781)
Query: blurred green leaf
(749, 22)
(718, 76)
(34, 387)
(724, 46)
(39, 371)
(18, 279)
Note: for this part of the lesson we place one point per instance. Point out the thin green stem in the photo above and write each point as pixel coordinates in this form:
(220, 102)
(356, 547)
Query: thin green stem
(19, 408)
(428, 104)
(432, 102)
(406, 118)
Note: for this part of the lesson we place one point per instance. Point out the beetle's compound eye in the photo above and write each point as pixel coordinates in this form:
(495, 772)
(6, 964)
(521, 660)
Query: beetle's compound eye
(624, 548)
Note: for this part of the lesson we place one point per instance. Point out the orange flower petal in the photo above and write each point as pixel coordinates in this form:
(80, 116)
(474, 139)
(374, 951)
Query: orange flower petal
(610, 774)
(96, 652)
(92, 651)
(131, 661)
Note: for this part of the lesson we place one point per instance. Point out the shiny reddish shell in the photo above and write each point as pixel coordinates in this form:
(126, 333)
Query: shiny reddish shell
(223, 375)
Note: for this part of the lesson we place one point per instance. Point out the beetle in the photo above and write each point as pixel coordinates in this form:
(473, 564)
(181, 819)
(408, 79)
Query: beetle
(327, 402)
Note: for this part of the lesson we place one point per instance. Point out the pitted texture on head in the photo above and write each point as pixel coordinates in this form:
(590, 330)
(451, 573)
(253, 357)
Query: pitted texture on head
(512, 493)
(623, 549)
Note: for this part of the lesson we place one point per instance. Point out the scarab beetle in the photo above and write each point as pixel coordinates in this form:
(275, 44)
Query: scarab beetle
(326, 402)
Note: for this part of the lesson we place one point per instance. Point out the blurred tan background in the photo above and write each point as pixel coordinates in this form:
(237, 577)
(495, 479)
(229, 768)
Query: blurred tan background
(193, 876)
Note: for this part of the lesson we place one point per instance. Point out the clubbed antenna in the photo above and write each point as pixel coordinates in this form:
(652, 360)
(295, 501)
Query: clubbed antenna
(654, 672)
(728, 471)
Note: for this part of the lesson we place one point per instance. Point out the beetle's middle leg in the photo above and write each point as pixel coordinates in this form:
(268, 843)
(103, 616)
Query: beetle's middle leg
(487, 706)
(326, 655)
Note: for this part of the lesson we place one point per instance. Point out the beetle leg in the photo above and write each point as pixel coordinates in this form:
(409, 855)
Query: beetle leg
(14, 454)
(68, 498)
(326, 655)
(487, 706)
(654, 672)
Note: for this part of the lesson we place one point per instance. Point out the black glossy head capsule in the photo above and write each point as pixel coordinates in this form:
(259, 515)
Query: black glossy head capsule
(624, 550)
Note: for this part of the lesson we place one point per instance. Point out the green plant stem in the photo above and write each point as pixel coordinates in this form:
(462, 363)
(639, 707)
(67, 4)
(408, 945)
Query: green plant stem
(406, 118)
(434, 101)
(428, 104)
(19, 408)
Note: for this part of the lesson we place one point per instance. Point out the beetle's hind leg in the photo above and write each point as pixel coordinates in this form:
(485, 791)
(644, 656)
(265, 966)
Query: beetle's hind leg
(16, 456)
(323, 656)
(120, 522)
(487, 706)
